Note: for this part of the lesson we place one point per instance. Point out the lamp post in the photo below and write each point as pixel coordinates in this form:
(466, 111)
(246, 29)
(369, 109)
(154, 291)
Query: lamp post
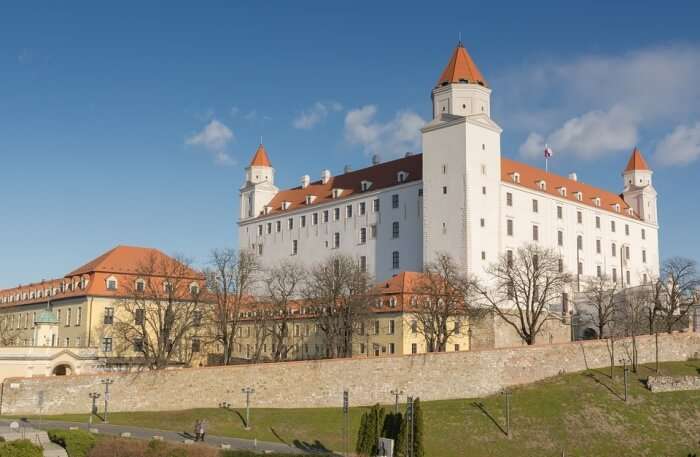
(248, 391)
(93, 396)
(507, 393)
(107, 382)
(396, 393)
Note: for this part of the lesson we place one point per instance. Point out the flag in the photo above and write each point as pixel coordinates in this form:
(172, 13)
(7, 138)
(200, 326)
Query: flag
(547, 152)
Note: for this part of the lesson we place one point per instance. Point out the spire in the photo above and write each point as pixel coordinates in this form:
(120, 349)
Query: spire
(636, 161)
(260, 159)
(461, 69)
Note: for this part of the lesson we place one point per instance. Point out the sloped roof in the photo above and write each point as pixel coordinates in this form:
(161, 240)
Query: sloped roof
(121, 259)
(260, 158)
(636, 161)
(461, 69)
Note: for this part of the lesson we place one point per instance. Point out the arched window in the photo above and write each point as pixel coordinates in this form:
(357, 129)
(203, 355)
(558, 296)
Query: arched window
(112, 283)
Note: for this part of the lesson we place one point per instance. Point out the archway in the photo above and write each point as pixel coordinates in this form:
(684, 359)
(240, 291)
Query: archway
(590, 334)
(62, 370)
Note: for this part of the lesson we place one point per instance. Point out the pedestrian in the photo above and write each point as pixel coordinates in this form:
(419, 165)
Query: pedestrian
(197, 426)
(202, 429)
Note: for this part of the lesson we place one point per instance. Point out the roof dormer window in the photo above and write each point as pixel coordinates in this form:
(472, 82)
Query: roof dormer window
(579, 195)
(111, 283)
(542, 184)
(336, 193)
(562, 191)
(310, 199)
(286, 205)
(516, 177)
(630, 212)
(365, 185)
(616, 207)
(401, 176)
(267, 210)
(596, 202)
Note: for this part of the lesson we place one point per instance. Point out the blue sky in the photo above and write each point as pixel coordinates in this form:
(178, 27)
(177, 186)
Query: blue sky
(131, 122)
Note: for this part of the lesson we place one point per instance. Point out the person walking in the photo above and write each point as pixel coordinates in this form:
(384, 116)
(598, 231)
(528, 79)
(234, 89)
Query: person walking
(197, 429)
(202, 429)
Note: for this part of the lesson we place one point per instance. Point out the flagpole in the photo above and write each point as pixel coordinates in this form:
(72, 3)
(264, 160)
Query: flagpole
(546, 164)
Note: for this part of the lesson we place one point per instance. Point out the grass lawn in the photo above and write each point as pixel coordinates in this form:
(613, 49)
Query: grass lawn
(581, 413)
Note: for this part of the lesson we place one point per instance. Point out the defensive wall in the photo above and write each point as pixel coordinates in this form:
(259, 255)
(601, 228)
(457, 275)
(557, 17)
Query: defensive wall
(320, 383)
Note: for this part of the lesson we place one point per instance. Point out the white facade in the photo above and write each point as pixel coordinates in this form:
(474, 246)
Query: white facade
(463, 204)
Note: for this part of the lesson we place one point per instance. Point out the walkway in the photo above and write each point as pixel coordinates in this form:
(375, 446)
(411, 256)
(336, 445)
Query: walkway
(170, 436)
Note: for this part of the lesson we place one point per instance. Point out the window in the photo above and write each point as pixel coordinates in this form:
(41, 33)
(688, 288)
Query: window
(597, 222)
(612, 226)
(395, 260)
(336, 214)
(278, 226)
(111, 284)
(395, 229)
(561, 265)
(644, 234)
(580, 268)
(197, 318)
(362, 208)
(509, 227)
(109, 316)
(302, 221)
(482, 222)
(79, 317)
(560, 238)
(509, 258)
(68, 317)
(392, 327)
(325, 216)
(598, 271)
(597, 246)
(627, 252)
(375, 205)
(579, 242)
(106, 344)
(373, 231)
(260, 229)
(414, 348)
(627, 274)
(392, 348)
(627, 229)
(295, 247)
(269, 228)
(260, 249)
(138, 345)
(579, 217)
(456, 347)
(483, 190)
(376, 327)
(348, 211)
(395, 201)
(535, 233)
(509, 199)
(363, 235)
(139, 315)
(560, 212)
(444, 169)
(414, 327)
(336, 240)
(535, 205)
(483, 255)
(614, 274)
(614, 250)
(644, 256)
(444, 190)
(363, 264)
(314, 219)
(196, 345)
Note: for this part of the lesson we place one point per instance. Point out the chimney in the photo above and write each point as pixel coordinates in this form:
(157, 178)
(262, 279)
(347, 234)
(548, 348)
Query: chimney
(408, 154)
(375, 159)
(573, 177)
(347, 169)
(325, 176)
(305, 180)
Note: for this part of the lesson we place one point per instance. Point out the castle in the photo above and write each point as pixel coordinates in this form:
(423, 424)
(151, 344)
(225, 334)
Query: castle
(459, 196)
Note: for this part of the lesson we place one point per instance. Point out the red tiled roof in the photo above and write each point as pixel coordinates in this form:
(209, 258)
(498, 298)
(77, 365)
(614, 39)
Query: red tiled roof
(260, 159)
(636, 161)
(384, 176)
(461, 68)
(381, 176)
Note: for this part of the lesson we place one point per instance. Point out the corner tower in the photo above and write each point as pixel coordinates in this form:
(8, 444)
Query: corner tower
(259, 187)
(639, 192)
(461, 168)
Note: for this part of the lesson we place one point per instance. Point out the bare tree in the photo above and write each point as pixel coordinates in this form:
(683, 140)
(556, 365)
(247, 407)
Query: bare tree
(283, 285)
(338, 290)
(634, 309)
(600, 297)
(676, 292)
(160, 311)
(229, 280)
(8, 333)
(524, 286)
(445, 296)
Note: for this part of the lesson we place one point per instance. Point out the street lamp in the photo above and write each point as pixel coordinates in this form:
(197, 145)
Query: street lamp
(396, 393)
(93, 396)
(507, 393)
(248, 391)
(107, 382)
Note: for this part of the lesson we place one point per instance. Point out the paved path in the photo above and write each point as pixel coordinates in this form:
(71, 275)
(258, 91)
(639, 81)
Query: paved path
(170, 436)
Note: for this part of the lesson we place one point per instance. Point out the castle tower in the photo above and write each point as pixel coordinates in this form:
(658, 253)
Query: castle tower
(461, 168)
(639, 192)
(259, 187)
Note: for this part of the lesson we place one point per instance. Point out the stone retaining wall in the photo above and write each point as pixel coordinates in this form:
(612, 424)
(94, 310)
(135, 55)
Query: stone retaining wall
(321, 383)
(673, 383)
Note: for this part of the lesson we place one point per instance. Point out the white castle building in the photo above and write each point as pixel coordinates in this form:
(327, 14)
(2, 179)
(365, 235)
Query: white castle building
(459, 196)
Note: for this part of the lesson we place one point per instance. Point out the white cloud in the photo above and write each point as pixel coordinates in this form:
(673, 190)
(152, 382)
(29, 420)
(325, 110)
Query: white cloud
(533, 146)
(307, 119)
(680, 147)
(250, 115)
(593, 105)
(396, 137)
(214, 137)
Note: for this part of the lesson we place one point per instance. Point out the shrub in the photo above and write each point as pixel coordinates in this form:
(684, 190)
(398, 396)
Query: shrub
(232, 453)
(123, 447)
(20, 448)
(77, 443)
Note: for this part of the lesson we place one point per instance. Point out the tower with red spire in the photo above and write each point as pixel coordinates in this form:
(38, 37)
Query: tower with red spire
(639, 192)
(259, 187)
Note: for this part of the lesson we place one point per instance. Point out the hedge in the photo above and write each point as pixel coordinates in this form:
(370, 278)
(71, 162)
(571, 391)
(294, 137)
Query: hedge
(77, 443)
(20, 448)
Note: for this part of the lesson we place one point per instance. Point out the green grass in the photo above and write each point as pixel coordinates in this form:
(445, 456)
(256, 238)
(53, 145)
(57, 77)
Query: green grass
(581, 413)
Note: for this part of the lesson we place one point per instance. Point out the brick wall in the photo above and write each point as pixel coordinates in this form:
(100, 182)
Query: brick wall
(320, 383)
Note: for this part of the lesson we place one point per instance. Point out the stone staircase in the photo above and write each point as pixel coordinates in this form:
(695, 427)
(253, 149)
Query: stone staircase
(38, 437)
